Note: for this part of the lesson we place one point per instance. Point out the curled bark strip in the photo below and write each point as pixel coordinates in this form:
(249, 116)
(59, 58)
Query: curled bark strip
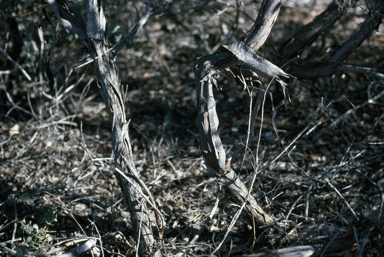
(254, 62)
(229, 61)
(208, 121)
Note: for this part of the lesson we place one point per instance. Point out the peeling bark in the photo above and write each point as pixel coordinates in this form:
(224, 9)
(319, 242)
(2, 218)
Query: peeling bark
(230, 61)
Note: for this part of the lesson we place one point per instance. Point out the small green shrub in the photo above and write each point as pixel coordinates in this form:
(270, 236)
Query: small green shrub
(37, 236)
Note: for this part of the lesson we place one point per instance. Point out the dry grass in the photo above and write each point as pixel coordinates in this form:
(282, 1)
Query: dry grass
(325, 190)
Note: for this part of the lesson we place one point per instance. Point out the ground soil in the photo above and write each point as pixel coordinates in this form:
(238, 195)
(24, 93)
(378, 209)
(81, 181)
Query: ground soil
(325, 190)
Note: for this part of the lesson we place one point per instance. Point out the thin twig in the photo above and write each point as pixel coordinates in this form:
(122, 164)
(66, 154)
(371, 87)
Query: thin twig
(17, 65)
(364, 70)
(294, 204)
(301, 133)
(342, 198)
(347, 113)
(125, 41)
(381, 191)
(364, 241)
(210, 216)
(142, 194)
(330, 242)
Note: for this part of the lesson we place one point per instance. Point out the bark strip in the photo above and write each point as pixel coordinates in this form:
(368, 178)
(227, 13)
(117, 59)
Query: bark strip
(231, 61)
(135, 192)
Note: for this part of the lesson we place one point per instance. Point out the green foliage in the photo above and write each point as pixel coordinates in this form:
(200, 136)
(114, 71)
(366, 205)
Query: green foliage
(38, 236)
(21, 251)
(49, 218)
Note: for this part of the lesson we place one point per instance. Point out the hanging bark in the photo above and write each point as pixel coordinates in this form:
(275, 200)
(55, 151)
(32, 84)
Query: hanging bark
(234, 61)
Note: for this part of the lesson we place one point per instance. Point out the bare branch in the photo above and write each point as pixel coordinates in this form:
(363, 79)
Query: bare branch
(367, 28)
(165, 7)
(25, 73)
(310, 70)
(307, 34)
(256, 36)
